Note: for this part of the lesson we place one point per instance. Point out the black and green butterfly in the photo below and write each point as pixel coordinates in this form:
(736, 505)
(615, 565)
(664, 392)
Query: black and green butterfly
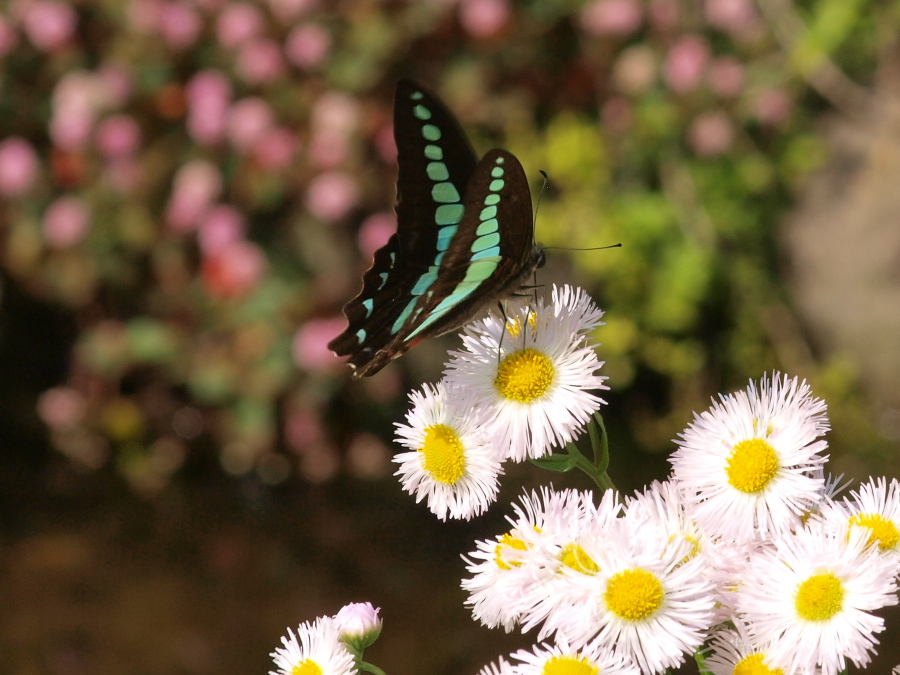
(464, 238)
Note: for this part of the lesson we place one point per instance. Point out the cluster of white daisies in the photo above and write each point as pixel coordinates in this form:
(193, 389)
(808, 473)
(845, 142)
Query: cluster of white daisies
(744, 558)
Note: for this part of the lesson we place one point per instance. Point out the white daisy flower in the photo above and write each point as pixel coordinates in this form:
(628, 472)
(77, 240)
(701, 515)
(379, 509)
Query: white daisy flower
(358, 624)
(316, 649)
(560, 658)
(751, 464)
(649, 603)
(732, 651)
(531, 375)
(451, 464)
(809, 598)
(875, 508)
(512, 575)
(500, 668)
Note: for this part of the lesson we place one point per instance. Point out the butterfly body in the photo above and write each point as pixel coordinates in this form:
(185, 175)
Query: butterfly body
(464, 238)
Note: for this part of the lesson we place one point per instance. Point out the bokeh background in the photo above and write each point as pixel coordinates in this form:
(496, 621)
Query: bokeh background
(191, 189)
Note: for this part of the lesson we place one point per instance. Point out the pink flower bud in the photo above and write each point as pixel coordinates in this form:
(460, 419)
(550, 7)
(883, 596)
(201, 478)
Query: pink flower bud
(612, 17)
(248, 120)
(65, 222)
(179, 24)
(61, 408)
(307, 46)
(726, 76)
(685, 64)
(18, 166)
(664, 14)
(235, 270)
(287, 11)
(49, 24)
(275, 149)
(259, 62)
(359, 623)
(635, 71)
(196, 185)
(736, 17)
(8, 37)
(238, 23)
(220, 227)
(208, 96)
(331, 195)
(310, 345)
(773, 107)
(484, 18)
(118, 136)
(711, 134)
(375, 231)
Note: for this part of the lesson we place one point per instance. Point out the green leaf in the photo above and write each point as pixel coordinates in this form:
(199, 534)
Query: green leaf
(559, 463)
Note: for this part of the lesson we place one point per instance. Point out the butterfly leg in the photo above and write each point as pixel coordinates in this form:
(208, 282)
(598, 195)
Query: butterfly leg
(503, 333)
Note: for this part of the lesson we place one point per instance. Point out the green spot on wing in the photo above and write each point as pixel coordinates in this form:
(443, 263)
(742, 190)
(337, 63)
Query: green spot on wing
(445, 234)
(497, 172)
(437, 171)
(425, 281)
(422, 112)
(487, 212)
(496, 185)
(485, 241)
(487, 227)
(369, 304)
(449, 214)
(492, 252)
(417, 96)
(490, 200)
(431, 132)
(444, 192)
(434, 152)
(404, 315)
(361, 335)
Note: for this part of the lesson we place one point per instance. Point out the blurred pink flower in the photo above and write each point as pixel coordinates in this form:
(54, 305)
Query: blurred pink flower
(238, 23)
(118, 136)
(311, 340)
(61, 407)
(664, 14)
(302, 427)
(275, 149)
(307, 45)
(484, 18)
(384, 141)
(208, 97)
(248, 119)
(143, 15)
(8, 37)
(260, 62)
(773, 107)
(179, 24)
(209, 5)
(616, 115)
(18, 166)
(196, 185)
(66, 222)
(234, 270)
(375, 231)
(711, 134)
(220, 227)
(287, 11)
(116, 81)
(49, 24)
(328, 149)
(75, 100)
(123, 174)
(635, 71)
(71, 130)
(612, 17)
(736, 17)
(685, 64)
(726, 76)
(331, 195)
(337, 111)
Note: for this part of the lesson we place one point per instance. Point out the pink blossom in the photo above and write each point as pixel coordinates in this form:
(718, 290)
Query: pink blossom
(61, 407)
(307, 45)
(375, 231)
(726, 76)
(635, 71)
(75, 100)
(179, 24)
(664, 14)
(123, 174)
(208, 97)
(736, 17)
(71, 130)
(143, 15)
(220, 227)
(336, 110)
(260, 62)
(238, 23)
(116, 81)
(287, 11)
(385, 143)
(234, 270)
(484, 18)
(328, 149)
(331, 195)
(685, 64)
(8, 37)
(196, 185)
(711, 134)
(118, 136)
(310, 346)
(248, 120)
(612, 17)
(275, 149)
(49, 24)
(65, 222)
(18, 166)
(773, 107)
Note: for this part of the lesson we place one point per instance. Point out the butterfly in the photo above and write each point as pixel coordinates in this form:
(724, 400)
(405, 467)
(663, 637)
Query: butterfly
(464, 238)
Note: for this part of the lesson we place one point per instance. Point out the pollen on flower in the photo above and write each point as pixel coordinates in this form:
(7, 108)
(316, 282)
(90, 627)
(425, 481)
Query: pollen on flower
(752, 464)
(569, 665)
(508, 541)
(306, 667)
(882, 531)
(753, 665)
(524, 375)
(573, 556)
(820, 597)
(514, 326)
(443, 454)
(634, 594)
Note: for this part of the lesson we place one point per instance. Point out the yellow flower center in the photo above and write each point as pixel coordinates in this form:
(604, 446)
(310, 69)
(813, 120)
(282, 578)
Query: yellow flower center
(881, 530)
(569, 665)
(634, 594)
(753, 665)
(574, 556)
(820, 597)
(514, 326)
(524, 375)
(508, 541)
(751, 465)
(307, 667)
(443, 454)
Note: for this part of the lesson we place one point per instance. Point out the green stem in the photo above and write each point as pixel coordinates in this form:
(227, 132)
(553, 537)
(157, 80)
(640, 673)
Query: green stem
(370, 668)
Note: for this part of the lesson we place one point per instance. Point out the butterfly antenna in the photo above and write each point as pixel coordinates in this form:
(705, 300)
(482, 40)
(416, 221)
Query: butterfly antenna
(502, 333)
(538, 205)
(569, 248)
